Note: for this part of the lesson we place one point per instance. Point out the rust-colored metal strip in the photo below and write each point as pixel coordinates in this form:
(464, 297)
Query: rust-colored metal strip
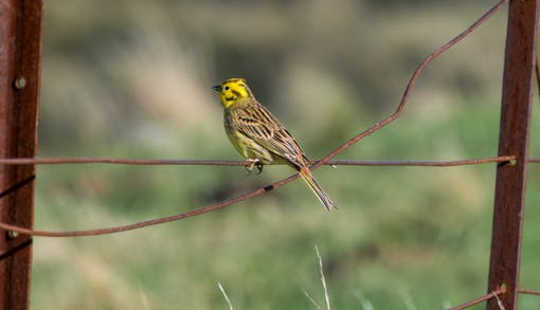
(513, 139)
(20, 54)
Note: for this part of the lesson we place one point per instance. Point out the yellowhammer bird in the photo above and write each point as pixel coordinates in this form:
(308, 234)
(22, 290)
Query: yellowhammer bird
(260, 137)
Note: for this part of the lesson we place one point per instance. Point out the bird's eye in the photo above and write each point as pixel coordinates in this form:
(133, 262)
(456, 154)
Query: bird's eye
(226, 88)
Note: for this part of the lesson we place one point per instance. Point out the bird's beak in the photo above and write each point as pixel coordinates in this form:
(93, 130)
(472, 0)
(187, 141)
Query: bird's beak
(217, 88)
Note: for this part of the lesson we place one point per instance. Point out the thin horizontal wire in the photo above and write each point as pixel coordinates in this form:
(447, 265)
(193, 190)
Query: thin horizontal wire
(202, 162)
(429, 163)
(120, 161)
(528, 291)
(478, 300)
(277, 184)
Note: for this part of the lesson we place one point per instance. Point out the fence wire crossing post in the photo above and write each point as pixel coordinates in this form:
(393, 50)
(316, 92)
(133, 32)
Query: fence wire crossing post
(20, 53)
(513, 139)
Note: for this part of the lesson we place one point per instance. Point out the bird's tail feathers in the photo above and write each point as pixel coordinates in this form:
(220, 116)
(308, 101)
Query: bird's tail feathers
(328, 203)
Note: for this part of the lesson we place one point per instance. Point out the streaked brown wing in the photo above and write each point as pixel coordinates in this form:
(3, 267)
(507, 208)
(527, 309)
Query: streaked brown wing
(257, 123)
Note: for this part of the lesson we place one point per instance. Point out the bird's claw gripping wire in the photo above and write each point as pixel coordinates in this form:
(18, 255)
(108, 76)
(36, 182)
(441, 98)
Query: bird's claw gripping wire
(254, 163)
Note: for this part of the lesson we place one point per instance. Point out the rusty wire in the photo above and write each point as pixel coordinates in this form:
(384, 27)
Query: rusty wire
(201, 162)
(479, 300)
(527, 291)
(277, 184)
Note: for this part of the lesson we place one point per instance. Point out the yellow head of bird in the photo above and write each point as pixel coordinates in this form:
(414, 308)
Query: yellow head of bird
(232, 91)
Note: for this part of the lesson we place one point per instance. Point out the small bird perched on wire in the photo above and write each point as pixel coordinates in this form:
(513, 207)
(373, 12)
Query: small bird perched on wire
(260, 137)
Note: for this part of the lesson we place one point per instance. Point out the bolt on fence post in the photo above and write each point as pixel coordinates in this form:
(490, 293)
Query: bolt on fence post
(20, 54)
(513, 140)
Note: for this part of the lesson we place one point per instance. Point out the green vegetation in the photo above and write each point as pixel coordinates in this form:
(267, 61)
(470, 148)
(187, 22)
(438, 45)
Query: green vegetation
(133, 80)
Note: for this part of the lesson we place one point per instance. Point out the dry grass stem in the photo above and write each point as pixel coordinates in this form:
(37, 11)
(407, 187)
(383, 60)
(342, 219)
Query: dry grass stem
(222, 290)
(313, 301)
(323, 280)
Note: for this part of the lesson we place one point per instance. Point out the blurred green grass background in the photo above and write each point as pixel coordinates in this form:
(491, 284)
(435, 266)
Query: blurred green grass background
(132, 79)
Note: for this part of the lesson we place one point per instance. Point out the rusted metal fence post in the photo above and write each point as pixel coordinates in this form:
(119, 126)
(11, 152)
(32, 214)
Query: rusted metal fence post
(20, 53)
(513, 140)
